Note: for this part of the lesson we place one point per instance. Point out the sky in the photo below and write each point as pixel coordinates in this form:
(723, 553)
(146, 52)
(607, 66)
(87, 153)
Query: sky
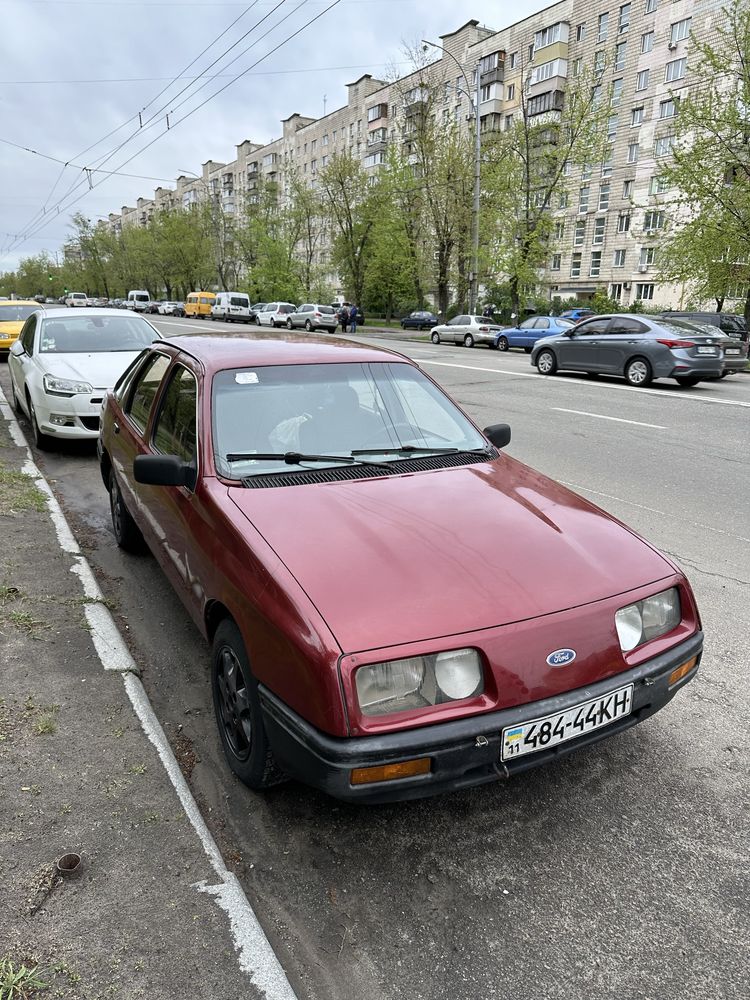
(72, 71)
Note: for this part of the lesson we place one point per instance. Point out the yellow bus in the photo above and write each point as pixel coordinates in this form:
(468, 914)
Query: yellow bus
(199, 304)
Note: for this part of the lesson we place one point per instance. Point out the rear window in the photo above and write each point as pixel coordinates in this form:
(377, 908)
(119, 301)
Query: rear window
(284, 308)
(680, 327)
(325, 310)
(239, 300)
(142, 298)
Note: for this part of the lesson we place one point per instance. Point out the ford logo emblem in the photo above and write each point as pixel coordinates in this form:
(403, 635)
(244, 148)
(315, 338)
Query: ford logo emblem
(561, 657)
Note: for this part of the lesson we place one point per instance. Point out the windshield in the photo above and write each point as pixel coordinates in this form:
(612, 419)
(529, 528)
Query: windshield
(10, 313)
(95, 334)
(333, 409)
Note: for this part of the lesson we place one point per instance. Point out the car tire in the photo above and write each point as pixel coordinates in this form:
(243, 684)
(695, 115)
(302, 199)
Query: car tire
(435, 338)
(308, 326)
(257, 321)
(468, 340)
(546, 362)
(14, 401)
(41, 440)
(527, 350)
(503, 344)
(239, 716)
(638, 372)
(289, 324)
(127, 533)
(686, 380)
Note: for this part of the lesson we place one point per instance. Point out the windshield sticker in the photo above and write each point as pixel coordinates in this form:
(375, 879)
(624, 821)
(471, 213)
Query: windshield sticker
(246, 378)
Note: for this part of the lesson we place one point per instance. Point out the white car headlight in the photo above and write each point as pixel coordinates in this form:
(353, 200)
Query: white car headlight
(648, 619)
(418, 682)
(64, 386)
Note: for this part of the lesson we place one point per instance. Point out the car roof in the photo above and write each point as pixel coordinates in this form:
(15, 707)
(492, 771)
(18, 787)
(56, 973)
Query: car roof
(239, 350)
(20, 302)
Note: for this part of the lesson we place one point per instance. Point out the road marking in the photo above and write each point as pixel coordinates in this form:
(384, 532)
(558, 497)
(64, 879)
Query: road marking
(593, 385)
(255, 955)
(601, 416)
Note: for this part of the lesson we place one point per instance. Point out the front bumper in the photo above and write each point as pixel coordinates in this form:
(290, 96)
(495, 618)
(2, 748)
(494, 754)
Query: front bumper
(81, 414)
(464, 752)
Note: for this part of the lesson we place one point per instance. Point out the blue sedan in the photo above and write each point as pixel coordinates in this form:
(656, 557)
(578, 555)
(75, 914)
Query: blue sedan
(531, 330)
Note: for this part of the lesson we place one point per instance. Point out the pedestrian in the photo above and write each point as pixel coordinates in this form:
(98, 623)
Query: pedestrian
(344, 317)
(353, 317)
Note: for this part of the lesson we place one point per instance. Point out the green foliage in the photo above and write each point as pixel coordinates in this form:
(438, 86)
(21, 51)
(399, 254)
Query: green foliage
(17, 982)
(601, 303)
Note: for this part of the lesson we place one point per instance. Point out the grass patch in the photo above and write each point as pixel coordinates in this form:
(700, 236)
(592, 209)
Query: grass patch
(46, 724)
(27, 623)
(17, 982)
(19, 493)
(8, 594)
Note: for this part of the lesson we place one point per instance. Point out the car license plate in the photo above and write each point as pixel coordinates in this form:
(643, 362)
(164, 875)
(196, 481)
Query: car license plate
(706, 350)
(732, 350)
(540, 734)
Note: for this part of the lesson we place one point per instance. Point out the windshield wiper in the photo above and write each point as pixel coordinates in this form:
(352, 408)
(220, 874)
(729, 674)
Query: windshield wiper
(410, 449)
(295, 458)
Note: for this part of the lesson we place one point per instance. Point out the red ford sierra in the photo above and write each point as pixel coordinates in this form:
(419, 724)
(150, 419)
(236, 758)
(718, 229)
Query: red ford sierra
(395, 606)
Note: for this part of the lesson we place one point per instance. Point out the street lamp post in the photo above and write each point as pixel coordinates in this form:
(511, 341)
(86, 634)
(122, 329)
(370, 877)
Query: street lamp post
(474, 101)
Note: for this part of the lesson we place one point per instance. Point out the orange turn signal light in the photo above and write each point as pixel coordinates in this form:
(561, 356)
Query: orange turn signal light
(390, 772)
(680, 672)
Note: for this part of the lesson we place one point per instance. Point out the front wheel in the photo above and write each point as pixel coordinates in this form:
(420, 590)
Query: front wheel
(257, 321)
(686, 380)
(308, 326)
(468, 340)
(289, 324)
(503, 344)
(14, 402)
(435, 338)
(638, 372)
(41, 440)
(127, 533)
(238, 712)
(546, 363)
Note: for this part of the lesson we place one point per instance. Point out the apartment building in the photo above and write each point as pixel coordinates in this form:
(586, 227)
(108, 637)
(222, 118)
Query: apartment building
(610, 221)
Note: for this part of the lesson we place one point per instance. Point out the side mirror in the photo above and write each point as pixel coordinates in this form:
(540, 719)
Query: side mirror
(17, 348)
(497, 434)
(163, 470)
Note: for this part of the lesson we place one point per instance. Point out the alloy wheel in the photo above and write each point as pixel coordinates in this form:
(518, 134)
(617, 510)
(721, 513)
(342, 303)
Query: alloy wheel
(234, 704)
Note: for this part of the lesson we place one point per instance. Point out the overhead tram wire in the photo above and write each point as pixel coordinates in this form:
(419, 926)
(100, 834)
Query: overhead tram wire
(83, 181)
(174, 79)
(239, 76)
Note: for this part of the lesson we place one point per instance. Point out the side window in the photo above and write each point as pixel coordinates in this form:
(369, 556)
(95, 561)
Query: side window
(627, 326)
(145, 389)
(175, 429)
(27, 335)
(528, 324)
(594, 326)
(542, 323)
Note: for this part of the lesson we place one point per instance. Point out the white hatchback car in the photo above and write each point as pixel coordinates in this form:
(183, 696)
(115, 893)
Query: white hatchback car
(274, 313)
(62, 365)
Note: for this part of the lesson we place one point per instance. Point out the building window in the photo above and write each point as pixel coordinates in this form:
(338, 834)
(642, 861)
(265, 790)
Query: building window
(313, 166)
(615, 291)
(663, 145)
(627, 189)
(612, 126)
(581, 32)
(377, 112)
(623, 222)
(374, 159)
(657, 185)
(668, 109)
(580, 233)
(559, 230)
(603, 25)
(324, 140)
(633, 152)
(508, 122)
(653, 220)
(586, 171)
(645, 292)
(642, 80)
(599, 226)
(675, 70)
(680, 30)
(603, 197)
(563, 200)
(620, 52)
(335, 134)
(647, 41)
(648, 256)
(324, 161)
(599, 61)
(511, 92)
(531, 52)
(556, 260)
(651, 6)
(575, 266)
(596, 264)
(488, 63)
(596, 94)
(618, 258)
(636, 116)
(554, 33)
(577, 66)
(624, 22)
(512, 61)
(583, 198)
(616, 91)
(607, 163)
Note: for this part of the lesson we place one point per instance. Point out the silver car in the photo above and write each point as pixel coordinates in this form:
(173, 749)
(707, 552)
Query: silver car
(636, 347)
(312, 317)
(467, 330)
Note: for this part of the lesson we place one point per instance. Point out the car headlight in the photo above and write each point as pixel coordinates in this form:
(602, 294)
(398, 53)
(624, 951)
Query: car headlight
(418, 682)
(647, 619)
(64, 386)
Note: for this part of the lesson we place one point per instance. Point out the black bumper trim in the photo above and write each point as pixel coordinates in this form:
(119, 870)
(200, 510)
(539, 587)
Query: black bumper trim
(460, 760)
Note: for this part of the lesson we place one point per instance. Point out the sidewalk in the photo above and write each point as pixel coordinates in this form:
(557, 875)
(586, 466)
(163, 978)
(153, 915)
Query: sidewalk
(85, 768)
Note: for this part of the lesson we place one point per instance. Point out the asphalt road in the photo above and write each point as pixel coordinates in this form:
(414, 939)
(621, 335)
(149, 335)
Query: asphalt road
(620, 872)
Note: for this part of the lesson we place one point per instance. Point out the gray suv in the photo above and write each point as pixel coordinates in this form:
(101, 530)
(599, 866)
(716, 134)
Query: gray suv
(637, 347)
(312, 317)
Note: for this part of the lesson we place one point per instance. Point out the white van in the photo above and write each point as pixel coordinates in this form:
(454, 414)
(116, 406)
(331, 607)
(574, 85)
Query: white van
(138, 300)
(76, 299)
(234, 306)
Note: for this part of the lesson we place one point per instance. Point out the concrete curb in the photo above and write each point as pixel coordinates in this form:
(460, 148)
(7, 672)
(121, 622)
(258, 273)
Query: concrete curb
(255, 956)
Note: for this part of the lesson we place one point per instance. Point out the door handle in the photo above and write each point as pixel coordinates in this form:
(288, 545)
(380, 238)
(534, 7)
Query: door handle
(115, 427)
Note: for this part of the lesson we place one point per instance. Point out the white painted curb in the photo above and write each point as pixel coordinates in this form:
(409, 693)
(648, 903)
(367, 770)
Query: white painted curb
(255, 955)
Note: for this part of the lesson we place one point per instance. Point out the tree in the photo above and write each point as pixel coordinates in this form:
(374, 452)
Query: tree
(710, 167)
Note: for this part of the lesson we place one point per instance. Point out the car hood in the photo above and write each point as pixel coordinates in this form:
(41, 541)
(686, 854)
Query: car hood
(404, 558)
(100, 370)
